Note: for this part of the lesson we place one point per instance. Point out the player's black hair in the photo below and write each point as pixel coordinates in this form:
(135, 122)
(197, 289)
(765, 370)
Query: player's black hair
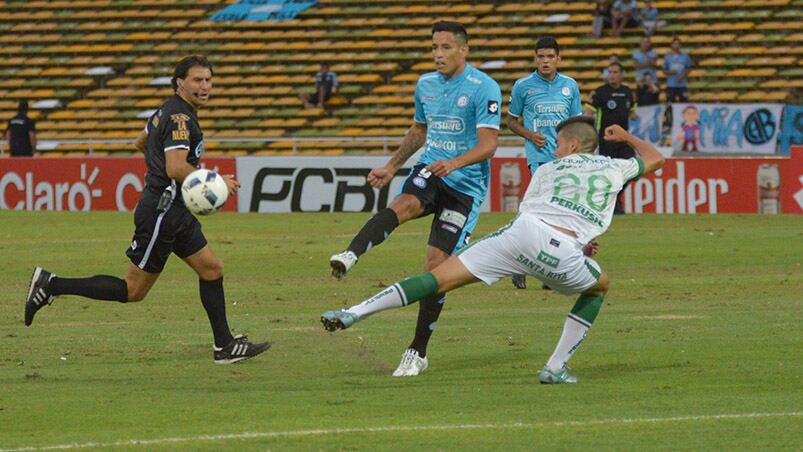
(22, 107)
(184, 66)
(547, 42)
(619, 65)
(455, 28)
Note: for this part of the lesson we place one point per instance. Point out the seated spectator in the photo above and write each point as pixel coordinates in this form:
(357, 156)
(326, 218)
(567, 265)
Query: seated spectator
(647, 92)
(325, 86)
(622, 14)
(648, 17)
(612, 59)
(645, 60)
(602, 15)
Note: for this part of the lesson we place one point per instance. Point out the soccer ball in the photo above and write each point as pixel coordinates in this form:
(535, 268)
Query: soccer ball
(204, 192)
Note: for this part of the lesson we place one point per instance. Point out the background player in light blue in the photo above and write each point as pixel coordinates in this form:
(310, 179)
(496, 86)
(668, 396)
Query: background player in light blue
(457, 116)
(538, 103)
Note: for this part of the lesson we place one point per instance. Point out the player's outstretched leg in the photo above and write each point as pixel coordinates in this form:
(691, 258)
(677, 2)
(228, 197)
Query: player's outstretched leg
(45, 286)
(575, 329)
(375, 231)
(414, 359)
(403, 293)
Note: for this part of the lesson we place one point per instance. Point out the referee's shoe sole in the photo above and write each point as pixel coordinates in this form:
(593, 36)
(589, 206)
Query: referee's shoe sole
(38, 293)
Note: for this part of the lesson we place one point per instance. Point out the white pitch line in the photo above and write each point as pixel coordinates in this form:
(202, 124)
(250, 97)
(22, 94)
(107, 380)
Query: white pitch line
(401, 428)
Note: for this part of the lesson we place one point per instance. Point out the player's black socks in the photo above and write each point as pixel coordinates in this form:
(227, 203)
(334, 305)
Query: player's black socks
(375, 231)
(100, 287)
(428, 312)
(214, 301)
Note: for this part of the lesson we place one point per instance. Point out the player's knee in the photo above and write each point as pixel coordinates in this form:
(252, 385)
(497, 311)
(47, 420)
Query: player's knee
(601, 287)
(136, 293)
(212, 271)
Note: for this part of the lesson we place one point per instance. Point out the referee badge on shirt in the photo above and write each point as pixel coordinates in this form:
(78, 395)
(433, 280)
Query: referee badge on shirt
(611, 104)
(462, 101)
(493, 107)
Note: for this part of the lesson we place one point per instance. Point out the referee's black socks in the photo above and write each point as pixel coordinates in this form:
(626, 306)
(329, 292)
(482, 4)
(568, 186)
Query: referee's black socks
(214, 301)
(375, 231)
(100, 287)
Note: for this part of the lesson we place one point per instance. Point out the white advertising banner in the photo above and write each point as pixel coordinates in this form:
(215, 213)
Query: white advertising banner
(726, 128)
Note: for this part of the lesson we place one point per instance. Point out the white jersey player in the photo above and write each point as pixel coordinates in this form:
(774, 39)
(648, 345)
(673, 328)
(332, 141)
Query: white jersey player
(568, 203)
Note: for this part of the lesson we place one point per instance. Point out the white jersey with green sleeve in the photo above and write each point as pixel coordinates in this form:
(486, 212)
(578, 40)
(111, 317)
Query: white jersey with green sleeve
(578, 192)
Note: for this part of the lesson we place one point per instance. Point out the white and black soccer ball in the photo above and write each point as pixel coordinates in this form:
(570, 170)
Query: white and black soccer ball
(204, 192)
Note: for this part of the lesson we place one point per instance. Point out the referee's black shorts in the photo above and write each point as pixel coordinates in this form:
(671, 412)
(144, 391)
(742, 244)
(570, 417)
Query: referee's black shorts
(158, 234)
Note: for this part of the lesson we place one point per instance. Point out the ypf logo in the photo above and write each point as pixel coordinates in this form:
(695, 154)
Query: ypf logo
(759, 127)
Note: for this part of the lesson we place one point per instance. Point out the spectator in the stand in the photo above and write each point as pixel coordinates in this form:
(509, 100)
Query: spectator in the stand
(648, 17)
(676, 67)
(612, 59)
(622, 14)
(647, 92)
(325, 86)
(645, 60)
(602, 16)
(20, 134)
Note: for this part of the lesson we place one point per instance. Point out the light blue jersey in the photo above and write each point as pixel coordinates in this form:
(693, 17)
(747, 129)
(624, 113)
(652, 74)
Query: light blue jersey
(544, 104)
(453, 110)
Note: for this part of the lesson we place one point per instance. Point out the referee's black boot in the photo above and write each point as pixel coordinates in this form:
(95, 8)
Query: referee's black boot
(239, 350)
(38, 294)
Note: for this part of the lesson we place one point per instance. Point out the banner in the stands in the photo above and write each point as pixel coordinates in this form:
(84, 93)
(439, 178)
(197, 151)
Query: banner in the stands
(648, 124)
(262, 10)
(726, 128)
(791, 128)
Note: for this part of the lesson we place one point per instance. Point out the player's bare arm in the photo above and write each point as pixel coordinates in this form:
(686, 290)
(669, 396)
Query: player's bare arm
(653, 160)
(176, 165)
(516, 126)
(487, 141)
(412, 141)
(141, 141)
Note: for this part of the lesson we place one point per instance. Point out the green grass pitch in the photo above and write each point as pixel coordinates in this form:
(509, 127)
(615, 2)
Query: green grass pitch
(698, 346)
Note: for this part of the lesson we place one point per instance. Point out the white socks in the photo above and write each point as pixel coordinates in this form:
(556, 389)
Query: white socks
(392, 297)
(574, 331)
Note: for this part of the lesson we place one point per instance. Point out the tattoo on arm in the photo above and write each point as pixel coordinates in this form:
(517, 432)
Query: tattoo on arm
(412, 141)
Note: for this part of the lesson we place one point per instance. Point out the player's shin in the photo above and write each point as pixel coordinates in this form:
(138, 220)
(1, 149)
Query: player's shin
(214, 301)
(428, 312)
(99, 287)
(403, 293)
(375, 231)
(575, 328)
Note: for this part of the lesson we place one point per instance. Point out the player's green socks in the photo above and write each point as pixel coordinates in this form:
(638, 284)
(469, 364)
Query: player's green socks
(403, 293)
(575, 328)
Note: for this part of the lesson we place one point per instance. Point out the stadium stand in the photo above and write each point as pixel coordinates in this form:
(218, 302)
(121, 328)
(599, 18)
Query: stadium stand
(104, 65)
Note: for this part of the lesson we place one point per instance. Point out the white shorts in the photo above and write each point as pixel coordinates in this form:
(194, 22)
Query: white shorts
(528, 245)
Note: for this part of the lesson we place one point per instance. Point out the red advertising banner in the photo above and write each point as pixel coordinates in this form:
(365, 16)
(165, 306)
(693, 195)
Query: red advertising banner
(82, 183)
(767, 185)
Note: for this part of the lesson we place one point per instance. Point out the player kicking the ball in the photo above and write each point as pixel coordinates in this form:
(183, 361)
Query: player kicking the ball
(568, 203)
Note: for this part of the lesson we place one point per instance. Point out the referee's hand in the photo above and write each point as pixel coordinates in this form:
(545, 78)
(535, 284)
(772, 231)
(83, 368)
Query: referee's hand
(231, 183)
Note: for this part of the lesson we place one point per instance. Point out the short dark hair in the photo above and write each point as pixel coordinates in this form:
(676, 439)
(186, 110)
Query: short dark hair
(619, 65)
(581, 128)
(455, 28)
(184, 66)
(547, 42)
(22, 107)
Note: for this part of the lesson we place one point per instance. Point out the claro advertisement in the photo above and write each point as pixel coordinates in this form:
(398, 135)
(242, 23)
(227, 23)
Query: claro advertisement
(769, 185)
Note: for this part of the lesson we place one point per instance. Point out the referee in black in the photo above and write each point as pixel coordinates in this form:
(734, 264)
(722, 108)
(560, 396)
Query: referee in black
(173, 143)
(613, 103)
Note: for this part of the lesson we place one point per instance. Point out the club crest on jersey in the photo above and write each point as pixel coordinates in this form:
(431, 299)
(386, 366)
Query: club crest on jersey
(420, 182)
(566, 91)
(493, 107)
(611, 104)
(462, 101)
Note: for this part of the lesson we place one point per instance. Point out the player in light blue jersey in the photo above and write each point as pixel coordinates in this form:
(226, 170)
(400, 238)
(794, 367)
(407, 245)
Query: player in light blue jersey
(457, 116)
(538, 103)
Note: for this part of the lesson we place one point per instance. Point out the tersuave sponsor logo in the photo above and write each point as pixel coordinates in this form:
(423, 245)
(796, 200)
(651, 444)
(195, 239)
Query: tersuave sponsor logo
(446, 124)
(550, 108)
(327, 190)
